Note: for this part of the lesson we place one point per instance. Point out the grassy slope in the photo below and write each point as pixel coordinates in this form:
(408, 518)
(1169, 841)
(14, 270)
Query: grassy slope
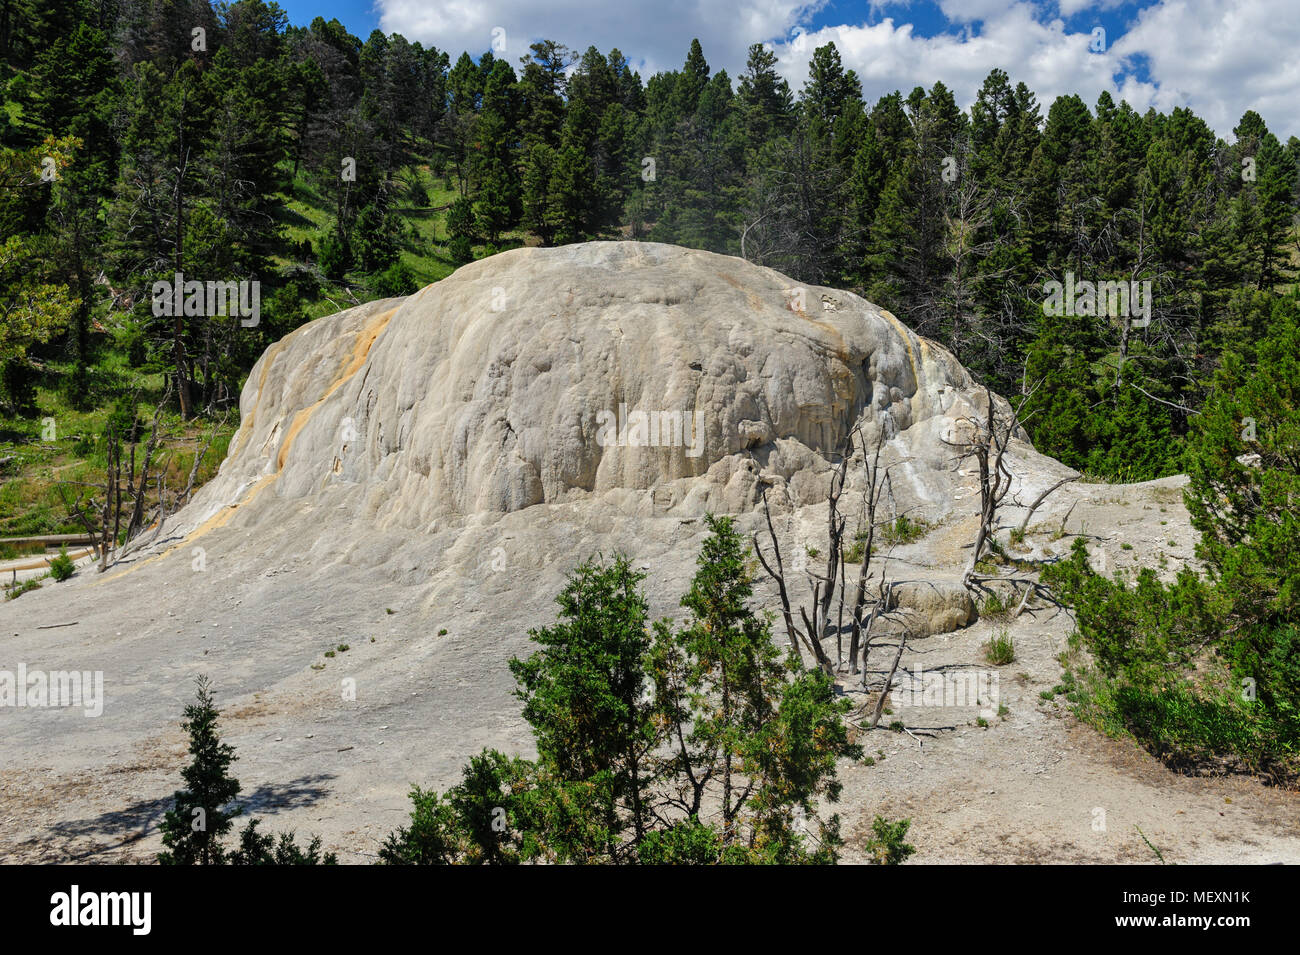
(31, 501)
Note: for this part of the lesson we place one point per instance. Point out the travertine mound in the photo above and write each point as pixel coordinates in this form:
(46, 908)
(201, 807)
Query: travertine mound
(669, 380)
(414, 480)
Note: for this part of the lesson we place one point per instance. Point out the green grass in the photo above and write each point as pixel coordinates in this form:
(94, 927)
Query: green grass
(17, 590)
(308, 216)
(30, 500)
(994, 607)
(904, 530)
(14, 551)
(1158, 854)
(1001, 649)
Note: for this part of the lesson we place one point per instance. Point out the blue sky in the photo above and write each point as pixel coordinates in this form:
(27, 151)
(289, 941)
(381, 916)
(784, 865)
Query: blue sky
(1220, 57)
(359, 16)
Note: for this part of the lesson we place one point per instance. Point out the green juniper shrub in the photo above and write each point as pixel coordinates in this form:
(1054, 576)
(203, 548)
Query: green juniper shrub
(461, 219)
(258, 849)
(460, 249)
(202, 812)
(886, 845)
(639, 728)
(62, 566)
(336, 253)
(687, 842)
(396, 280)
(483, 820)
(434, 836)
(374, 238)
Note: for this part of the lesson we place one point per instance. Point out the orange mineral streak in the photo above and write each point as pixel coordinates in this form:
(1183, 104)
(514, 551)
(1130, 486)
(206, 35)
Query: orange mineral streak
(365, 340)
(246, 431)
(907, 343)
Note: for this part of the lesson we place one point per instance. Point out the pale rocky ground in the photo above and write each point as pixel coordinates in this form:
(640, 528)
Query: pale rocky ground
(417, 465)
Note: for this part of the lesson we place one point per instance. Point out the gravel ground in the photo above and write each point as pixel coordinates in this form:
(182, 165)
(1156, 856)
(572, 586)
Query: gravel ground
(318, 754)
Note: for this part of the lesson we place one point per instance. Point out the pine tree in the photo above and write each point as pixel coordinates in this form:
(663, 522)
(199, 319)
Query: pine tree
(691, 81)
(537, 200)
(374, 239)
(829, 89)
(258, 849)
(583, 693)
(336, 253)
(764, 99)
(201, 815)
(541, 88)
(738, 720)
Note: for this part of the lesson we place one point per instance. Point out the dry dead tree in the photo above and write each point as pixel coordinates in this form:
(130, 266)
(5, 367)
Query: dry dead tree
(876, 481)
(889, 681)
(797, 637)
(987, 441)
(111, 510)
(816, 618)
(1041, 498)
(136, 491)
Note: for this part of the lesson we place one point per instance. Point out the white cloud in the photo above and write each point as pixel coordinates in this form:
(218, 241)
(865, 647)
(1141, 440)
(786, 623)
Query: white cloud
(889, 56)
(653, 35)
(1222, 58)
(1219, 57)
(1070, 7)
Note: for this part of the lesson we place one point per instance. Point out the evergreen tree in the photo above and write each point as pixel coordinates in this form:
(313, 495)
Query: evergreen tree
(336, 253)
(192, 829)
(739, 721)
(483, 820)
(460, 219)
(541, 89)
(830, 89)
(584, 694)
(374, 239)
(537, 199)
(764, 99)
(258, 849)
(1205, 669)
(1245, 509)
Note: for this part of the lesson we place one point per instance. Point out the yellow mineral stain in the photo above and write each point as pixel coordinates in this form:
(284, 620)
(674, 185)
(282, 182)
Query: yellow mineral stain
(246, 428)
(355, 360)
(907, 343)
(352, 364)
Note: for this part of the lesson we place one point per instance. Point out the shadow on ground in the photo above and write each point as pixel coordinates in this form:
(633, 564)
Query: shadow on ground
(113, 831)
